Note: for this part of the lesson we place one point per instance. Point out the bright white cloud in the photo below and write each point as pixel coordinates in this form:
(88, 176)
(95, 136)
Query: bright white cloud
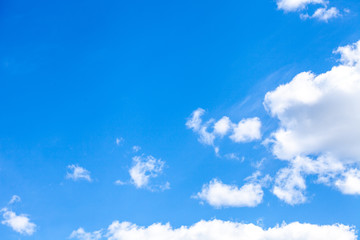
(76, 173)
(223, 126)
(219, 195)
(247, 130)
(296, 5)
(144, 168)
(349, 183)
(219, 230)
(319, 117)
(80, 234)
(19, 223)
(14, 199)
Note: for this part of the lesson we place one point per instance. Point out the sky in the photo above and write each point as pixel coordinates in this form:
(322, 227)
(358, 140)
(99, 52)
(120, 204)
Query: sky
(180, 120)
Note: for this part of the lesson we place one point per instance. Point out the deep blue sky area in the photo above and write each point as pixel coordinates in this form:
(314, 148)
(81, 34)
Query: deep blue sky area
(77, 75)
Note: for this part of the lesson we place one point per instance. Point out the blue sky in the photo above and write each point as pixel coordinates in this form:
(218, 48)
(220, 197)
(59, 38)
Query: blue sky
(83, 82)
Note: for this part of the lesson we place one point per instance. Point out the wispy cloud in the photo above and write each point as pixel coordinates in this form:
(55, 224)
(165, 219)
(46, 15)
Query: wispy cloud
(76, 172)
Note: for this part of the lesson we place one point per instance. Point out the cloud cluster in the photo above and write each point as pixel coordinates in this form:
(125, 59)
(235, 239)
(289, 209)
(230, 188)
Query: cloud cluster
(144, 168)
(77, 173)
(322, 13)
(246, 130)
(319, 130)
(219, 230)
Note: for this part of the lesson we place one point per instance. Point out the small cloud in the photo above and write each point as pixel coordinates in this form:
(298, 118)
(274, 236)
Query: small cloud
(19, 223)
(233, 156)
(136, 148)
(119, 182)
(144, 168)
(246, 130)
(119, 141)
(14, 199)
(80, 234)
(76, 173)
(323, 14)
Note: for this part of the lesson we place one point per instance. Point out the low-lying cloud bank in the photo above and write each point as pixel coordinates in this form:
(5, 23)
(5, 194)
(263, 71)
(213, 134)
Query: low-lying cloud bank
(219, 230)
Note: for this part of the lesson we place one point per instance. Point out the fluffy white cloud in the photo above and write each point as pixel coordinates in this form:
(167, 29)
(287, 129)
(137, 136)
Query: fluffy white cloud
(323, 14)
(350, 182)
(219, 195)
(76, 173)
(144, 168)
(245, 131)
(19, 223)
(80, 234)
(219, 230)
(223, 126)
(295, 5)
(319, 114)
(319, 117)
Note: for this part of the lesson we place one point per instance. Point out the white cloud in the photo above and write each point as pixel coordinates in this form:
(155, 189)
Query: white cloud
(76, 173)
(223, 126)
(19, 223)
(144, 168)
(323, 14)
(219, 230)
(247, 130)
(296, 5)
(350, 182)
(290, 186)
(319, 117)
(14, 199)
(218, 194)
(80, 234)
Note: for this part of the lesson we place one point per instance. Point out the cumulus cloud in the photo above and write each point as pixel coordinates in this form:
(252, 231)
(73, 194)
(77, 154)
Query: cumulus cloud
(80, 234)
(219, 230)
(350, 182)
(219, 195)
(319, 130)
(19, 223)
(76, 173)
(245, 131)
(144, 168)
